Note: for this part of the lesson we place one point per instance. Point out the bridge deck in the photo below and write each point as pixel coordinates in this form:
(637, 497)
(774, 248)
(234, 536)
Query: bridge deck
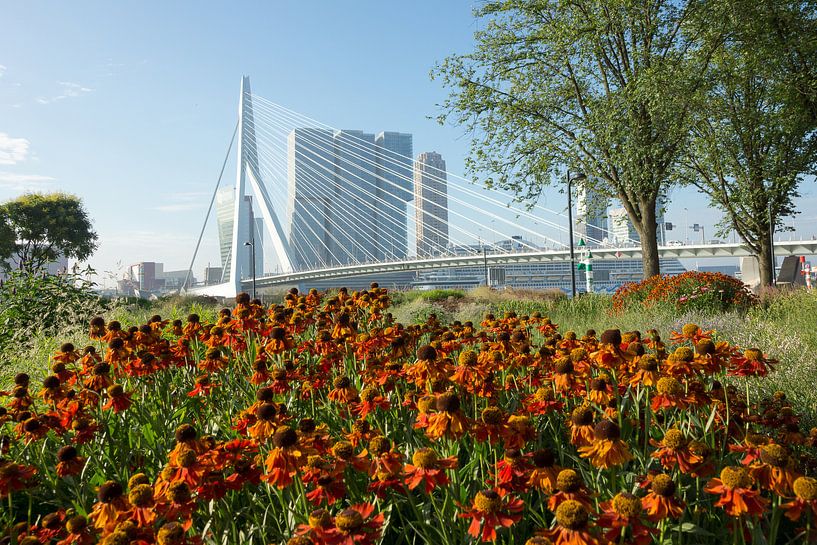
(782, 248)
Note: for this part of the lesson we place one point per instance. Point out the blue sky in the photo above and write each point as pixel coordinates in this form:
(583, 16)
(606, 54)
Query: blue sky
(131, 105)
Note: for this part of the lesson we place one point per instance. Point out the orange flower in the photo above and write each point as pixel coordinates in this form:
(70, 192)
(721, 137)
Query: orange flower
(14, 477)
(607, 449)
(570, 487)
(118, 399)
(285, 459)
(518, 431)
(736, 496)
(490, 511)
(669, 393)
(646, 371)
(545, 472)
(622, 515)
(427, 468)
(660, 502)
(581, 425)
(357, 526)
(448, 420)
(775, 470)
(805, 491)
(111, 507)
(512, 473)
(572, 526)
(344, 391)
(674, 450)
(69, 462)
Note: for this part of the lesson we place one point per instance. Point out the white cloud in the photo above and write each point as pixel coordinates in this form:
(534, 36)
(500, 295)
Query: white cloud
(24, 182)
(68, 89)
(177, 207)
(12, 150)
(2, 70)
(183, 202)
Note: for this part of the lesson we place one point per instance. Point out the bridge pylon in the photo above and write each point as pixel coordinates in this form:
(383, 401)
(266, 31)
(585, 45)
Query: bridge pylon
(248, 171)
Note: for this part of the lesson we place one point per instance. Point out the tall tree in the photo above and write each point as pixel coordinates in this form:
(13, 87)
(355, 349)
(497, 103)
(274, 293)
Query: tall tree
(44, 227)
(754, 138)
(605, 87)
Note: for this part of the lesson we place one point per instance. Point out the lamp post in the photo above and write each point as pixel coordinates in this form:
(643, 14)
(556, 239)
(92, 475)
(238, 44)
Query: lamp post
(579, 176)
(251, 244)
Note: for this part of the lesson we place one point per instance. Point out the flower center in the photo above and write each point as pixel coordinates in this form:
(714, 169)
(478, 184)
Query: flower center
(674, 439)
(626, 505)
(488, 501)
(663, 485)
(492, 416)
(735, 477)
(425, 458)
(320, 518)
(669, 386)
(448, 402)
(348, 521)
(284, 437)
(568, 480)
(571, 515)
(805, 488)
(774, 455)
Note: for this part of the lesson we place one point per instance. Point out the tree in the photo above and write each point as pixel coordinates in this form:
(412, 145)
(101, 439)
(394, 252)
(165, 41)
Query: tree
(43, 227)
(754, 136)
(602, 87)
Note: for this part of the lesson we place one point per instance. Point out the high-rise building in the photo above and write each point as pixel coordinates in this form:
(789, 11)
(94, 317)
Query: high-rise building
(394, 189)
(431, 204)
(251, 228)
(591, 215)
(623, 232)
(347, 196)
(621, 228)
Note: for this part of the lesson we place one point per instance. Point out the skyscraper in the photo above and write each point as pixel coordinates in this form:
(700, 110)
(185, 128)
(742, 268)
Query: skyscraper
(347, 196)
(431, 204)
(394, 189)
(251, 228)
(591, 215)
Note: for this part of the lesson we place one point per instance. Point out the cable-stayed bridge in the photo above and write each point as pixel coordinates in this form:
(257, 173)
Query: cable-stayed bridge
(339, 203)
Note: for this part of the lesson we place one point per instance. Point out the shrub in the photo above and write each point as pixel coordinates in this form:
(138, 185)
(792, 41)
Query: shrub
(692, 290)
(46, 304)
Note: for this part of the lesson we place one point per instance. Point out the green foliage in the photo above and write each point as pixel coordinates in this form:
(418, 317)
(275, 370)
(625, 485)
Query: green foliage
(588, 85)
(754, 135)
(427, 295)
(692, 290)
(45, 227)
(41, 304)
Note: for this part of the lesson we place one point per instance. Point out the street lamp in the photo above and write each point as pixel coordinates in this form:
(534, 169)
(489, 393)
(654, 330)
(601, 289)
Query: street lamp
(579, 177)
(252, 258)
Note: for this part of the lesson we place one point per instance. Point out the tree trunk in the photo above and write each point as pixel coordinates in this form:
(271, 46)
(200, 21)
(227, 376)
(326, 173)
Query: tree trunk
(648, 230)
(765, 266)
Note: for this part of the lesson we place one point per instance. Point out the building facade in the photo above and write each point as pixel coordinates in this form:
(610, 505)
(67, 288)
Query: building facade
(348, 194)
(431, 204)
(591, 216)
(252, 229)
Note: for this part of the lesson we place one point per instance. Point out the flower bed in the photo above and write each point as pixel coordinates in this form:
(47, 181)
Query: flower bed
(322, 421)
(692, 290)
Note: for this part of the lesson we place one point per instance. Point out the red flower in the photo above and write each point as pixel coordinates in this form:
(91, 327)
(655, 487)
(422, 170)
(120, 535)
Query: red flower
(357, 526)
(14, 477)
(428, 469)
(736, 496)
(490, 511)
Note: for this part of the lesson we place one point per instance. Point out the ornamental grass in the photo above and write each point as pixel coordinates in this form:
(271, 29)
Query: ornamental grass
(322, 421)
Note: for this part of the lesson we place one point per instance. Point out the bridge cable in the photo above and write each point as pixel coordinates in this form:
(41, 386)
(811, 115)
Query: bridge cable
(209, 209)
